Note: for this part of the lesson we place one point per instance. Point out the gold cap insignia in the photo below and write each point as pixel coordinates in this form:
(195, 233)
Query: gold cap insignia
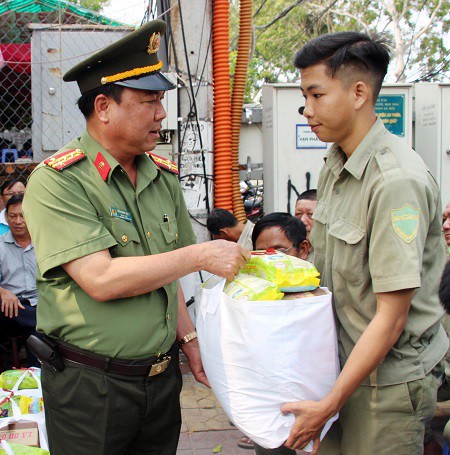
(153, 44)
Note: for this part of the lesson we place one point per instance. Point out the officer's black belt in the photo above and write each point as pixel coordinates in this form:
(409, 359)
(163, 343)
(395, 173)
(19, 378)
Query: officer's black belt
(147, 367)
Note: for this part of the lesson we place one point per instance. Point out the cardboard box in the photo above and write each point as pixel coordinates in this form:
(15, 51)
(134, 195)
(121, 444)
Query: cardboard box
(305, 295)
(24, 433)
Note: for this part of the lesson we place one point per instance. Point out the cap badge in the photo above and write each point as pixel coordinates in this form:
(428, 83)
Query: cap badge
(153, 44)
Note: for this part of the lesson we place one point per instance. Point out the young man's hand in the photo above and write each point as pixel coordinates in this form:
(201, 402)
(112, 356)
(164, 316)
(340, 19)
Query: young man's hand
(310, 418)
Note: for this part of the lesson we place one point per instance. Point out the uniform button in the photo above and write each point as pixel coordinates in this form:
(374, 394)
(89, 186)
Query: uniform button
(416, 363)
(149, 234)
(338, 190)
(124, 238)
(168, 317)
(176, 236)
(383, 151)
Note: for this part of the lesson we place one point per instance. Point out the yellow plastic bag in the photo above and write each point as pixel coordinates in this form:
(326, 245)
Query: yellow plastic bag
(288, 272)
(9, 378)
(247, 287)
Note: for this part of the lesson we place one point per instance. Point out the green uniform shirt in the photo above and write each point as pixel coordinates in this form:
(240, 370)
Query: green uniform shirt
(72, 213)
(378, 229)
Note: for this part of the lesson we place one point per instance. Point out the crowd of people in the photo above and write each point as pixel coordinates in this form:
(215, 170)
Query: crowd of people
(107, 236)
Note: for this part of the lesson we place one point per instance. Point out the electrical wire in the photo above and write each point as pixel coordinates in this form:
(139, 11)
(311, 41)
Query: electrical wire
(283, 13)
(260, 7)
(202, 151)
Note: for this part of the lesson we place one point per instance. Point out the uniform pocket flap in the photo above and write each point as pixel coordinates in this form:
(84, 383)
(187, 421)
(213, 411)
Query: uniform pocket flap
(125, 232)
(346, 231)
(321, 213)
(169, 231)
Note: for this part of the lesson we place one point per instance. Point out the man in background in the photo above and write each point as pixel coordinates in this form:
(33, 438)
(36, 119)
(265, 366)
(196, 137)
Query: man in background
(446, 227)
(18, 293)
(222, 224)
(9, 188)
(283, 232)
(305, 207)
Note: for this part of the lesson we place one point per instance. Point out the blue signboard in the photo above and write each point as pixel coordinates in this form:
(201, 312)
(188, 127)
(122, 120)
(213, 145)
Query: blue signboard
(391, 109)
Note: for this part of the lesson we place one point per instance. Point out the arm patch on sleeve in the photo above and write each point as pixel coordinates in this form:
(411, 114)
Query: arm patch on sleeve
(405, 222)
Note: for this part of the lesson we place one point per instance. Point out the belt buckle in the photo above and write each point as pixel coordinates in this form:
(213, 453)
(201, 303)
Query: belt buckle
(159, 366)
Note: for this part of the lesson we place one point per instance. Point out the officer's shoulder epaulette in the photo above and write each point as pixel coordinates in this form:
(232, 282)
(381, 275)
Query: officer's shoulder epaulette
(163, 163)
(65, 159)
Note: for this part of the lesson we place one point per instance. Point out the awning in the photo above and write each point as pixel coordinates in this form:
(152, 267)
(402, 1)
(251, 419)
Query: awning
(16, 56)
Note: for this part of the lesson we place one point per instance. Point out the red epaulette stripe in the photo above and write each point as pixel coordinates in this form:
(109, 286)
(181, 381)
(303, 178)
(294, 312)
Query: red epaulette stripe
(65, 159)
(164, 163)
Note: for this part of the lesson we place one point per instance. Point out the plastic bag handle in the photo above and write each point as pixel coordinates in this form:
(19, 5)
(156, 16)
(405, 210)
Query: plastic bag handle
(7, 448)
(15, 389)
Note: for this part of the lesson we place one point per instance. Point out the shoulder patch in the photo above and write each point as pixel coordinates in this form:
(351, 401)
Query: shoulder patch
(405, 222)
(163, 163)
(65, 159)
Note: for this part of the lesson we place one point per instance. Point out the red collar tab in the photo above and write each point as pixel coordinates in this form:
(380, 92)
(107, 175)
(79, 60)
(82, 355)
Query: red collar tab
(163, 163)
(102, 166)
(65, 159)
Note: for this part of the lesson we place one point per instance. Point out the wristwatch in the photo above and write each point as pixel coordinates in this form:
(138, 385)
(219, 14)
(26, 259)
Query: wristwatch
(189, 337)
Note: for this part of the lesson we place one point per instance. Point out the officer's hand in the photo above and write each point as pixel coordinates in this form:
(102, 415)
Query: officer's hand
(224, 258)
(310, 418)
(192, 351)
(10, 304)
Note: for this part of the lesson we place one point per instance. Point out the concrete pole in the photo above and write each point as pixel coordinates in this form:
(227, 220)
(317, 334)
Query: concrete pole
(193, 55)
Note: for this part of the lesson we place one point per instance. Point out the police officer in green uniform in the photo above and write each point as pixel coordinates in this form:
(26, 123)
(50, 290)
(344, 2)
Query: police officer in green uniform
(378, 246)
(112, 237)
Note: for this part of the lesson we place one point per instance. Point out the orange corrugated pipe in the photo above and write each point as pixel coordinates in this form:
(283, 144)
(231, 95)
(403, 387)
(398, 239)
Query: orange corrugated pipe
(222, 109)
(237, 100)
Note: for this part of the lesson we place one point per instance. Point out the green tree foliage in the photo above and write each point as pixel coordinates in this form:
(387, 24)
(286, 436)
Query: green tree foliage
(418, 30)
(93, 5)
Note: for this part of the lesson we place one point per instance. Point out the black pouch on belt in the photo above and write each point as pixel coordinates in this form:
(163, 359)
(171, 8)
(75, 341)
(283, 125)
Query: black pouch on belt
(46, 352)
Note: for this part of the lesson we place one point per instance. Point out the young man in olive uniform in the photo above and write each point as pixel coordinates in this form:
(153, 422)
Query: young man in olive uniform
(378, 246)
(112, 237)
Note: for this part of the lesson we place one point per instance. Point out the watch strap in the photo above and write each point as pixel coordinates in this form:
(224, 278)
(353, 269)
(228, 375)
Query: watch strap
(189, 337)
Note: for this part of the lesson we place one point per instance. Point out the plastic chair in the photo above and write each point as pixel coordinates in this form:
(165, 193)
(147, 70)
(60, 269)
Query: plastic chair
(13, 152)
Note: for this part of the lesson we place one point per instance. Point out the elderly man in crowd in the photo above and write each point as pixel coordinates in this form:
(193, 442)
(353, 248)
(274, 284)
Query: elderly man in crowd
(18, 292)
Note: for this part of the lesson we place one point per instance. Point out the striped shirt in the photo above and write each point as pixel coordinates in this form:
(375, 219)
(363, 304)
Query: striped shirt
(18, 268)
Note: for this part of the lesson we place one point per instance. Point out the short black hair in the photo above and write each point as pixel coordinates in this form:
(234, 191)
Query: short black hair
(86, 100)
(220, 219)
(309, 195)
(16, 199)
(9, 183)
(348, 51)
(444, 288)
(292, 227)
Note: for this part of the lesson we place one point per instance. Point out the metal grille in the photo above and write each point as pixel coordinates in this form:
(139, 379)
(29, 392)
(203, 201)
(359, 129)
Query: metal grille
(39, 42)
